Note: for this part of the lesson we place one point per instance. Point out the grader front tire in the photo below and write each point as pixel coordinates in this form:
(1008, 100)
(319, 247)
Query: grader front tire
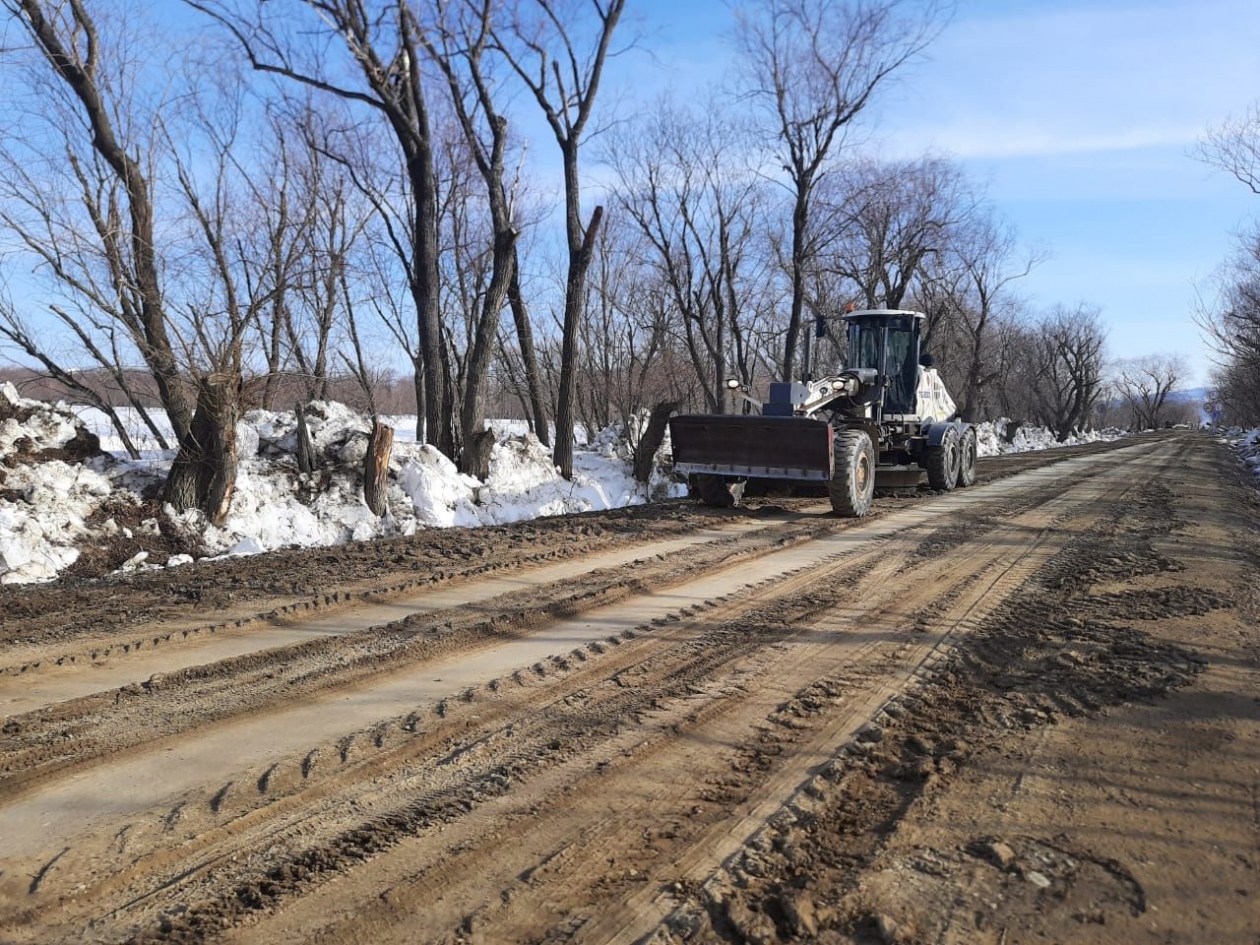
(852, 486)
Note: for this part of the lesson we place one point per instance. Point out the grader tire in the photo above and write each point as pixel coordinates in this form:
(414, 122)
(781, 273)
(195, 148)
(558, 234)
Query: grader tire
(943, 462)
(713, 492)
(852, 485)
(968, 453)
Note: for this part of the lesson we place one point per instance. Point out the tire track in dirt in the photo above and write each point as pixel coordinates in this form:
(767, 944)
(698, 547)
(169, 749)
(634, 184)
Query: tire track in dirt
(37, 745)
(1035, 658)
(69, 620)
(71, 734)
(65, 673)
(801, 579)
(678, 723)
(126, 786)
(957, 603)
(994, 567)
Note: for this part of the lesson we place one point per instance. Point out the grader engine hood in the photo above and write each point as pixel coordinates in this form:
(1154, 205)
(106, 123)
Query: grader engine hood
(751, 446)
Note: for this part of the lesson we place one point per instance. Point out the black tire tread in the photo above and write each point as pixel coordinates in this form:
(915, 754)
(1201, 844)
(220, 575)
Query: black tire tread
(713, 492)
(942, 462)
(967, 453)
(845, 497)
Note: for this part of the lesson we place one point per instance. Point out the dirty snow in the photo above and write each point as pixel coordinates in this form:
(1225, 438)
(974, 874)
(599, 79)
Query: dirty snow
(46, 508)
(1246, 444)
(991, 438)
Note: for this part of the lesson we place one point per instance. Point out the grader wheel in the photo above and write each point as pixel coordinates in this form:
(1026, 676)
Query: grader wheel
(852, 485)
(943, 462)
(968, 453)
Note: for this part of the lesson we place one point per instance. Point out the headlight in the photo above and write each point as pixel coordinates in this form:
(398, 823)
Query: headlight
(732, 383)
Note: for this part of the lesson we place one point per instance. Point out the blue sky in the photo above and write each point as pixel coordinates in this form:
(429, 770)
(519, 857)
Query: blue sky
(1080, 119)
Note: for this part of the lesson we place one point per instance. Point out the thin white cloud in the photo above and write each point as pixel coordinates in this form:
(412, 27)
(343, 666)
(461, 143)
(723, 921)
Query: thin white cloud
(1010, 142)
(1080, 79)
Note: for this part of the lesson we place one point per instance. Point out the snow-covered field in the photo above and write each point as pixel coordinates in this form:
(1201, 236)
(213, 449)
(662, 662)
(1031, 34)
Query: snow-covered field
(54, 505)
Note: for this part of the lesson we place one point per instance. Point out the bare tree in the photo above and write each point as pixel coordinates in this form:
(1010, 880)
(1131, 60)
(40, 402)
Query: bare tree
(1234, 397)
(1234, 147)
(1064, 368)
(626, 362)
(181, 282)
(880, 223)
(305, 321)
(1007, 388)
(1145, 384)
(539, 45)
(18, 332)
(1231, 321)
(991, 261)
(699, 211)
(288, 39)
(457, 45)
(539, 415)
(239, 262)
(813, 66)
(114, 182)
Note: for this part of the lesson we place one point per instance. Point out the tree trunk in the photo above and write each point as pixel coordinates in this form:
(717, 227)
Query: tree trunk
(203, 475)
(121, 430)
(525, 335)
(650, 442)
(800, 220)
(417, 380)
(148, 326)
(477, 449)
(574, 303)
(376, 468)
(425, 278)
(472, 410)
(305, 448)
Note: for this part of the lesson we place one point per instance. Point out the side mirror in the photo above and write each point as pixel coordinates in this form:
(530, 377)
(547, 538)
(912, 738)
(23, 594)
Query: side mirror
(926, 360)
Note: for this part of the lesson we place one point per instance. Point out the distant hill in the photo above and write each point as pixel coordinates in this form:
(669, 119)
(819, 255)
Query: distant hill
(1192, 395)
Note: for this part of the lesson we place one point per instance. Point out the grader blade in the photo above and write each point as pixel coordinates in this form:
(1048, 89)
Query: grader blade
(794, 448)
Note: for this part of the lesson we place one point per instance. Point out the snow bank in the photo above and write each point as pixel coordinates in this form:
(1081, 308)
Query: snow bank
(44, 502)
(45, 507)
(51, 508)
(991, 438)
(1246, 443)
(275, 505)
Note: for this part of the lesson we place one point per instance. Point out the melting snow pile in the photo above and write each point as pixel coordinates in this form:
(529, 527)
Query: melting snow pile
(50, 483)
(992, 438)
(51, 503)
(1247, 446)
(59, 491)
(275, 505)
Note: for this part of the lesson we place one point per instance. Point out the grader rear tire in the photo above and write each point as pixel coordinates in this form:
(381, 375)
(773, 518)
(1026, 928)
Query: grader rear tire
(943, 462)
(852, 485)
(968, 453)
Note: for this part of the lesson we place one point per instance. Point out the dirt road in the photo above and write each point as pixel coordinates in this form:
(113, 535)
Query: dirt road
(1026, 711)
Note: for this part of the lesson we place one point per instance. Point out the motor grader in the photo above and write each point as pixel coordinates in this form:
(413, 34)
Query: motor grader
(881, 421)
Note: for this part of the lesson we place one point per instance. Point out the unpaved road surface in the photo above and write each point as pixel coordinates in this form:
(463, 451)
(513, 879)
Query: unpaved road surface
(1028, 711)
